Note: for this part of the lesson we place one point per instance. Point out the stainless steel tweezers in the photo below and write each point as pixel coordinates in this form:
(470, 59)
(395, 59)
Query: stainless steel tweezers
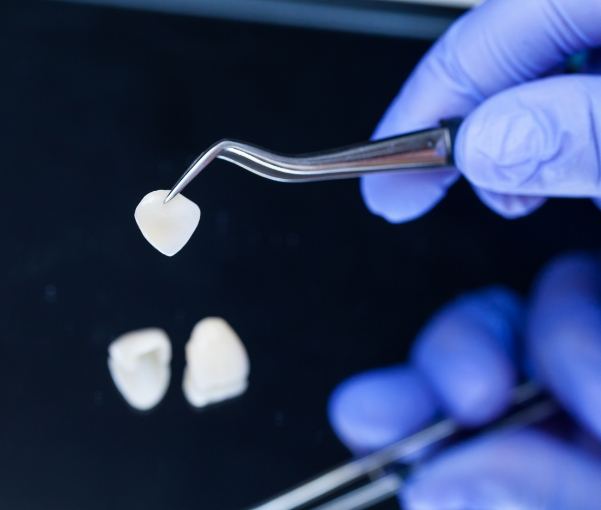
(420, 151)
(383, 468)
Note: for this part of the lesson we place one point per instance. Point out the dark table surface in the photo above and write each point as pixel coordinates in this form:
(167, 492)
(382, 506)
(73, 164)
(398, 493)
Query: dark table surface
(100, 106)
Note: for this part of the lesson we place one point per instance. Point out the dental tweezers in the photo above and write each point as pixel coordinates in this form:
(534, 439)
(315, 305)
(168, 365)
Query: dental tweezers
(387, 467)
(420, 151)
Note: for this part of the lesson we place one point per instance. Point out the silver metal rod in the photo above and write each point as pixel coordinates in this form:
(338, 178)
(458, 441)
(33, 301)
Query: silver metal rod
(365, 17)
(368, 495)
(420, 151)
(354, 470)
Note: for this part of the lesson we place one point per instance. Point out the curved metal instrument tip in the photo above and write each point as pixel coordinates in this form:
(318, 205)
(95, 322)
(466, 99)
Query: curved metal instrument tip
(194, 169)
(169, 196)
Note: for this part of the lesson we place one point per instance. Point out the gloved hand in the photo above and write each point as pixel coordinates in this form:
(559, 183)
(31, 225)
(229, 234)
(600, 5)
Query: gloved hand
(522, 140)
(464, 364)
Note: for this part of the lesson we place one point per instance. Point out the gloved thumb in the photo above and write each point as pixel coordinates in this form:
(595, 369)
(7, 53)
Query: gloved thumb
(524, 469)
(538, 139)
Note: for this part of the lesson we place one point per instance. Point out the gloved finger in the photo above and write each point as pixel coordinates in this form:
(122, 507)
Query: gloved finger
(564, 335)
(403, 197)
(399, 198)
(509, 206)
(495, 46)
(466, 353)
(376, 408)
(527, 470)
(529, 141)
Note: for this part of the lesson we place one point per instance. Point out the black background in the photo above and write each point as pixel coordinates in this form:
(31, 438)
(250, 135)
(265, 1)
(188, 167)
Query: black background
(99, 107)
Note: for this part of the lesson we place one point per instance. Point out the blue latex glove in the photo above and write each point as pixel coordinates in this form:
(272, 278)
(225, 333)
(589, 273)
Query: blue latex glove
(464, 364)
(525, 137)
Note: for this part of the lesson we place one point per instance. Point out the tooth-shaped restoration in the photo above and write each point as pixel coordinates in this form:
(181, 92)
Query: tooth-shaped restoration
(167, 227)
(217, 363)
(139, 365)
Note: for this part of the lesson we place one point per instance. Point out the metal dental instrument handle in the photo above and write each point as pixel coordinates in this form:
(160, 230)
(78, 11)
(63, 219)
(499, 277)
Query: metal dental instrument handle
(368, 495)
(529, 406)
(420, 151)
